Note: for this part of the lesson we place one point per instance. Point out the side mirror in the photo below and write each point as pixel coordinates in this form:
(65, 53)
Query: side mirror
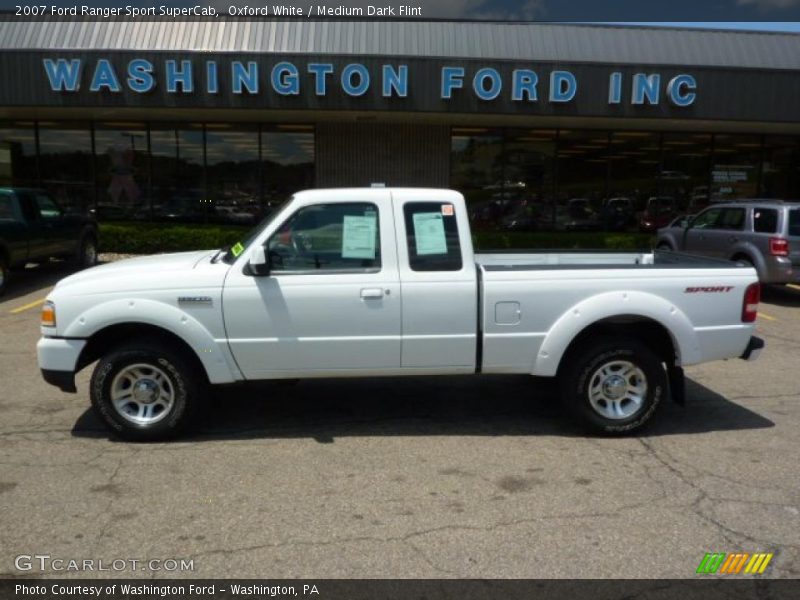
(258, 263)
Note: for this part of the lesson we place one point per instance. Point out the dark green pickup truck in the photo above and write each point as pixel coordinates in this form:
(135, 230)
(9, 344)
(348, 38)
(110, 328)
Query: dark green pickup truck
(34, 228)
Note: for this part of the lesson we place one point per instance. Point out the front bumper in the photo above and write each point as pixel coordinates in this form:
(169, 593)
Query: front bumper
(754, 348)
(58, 358)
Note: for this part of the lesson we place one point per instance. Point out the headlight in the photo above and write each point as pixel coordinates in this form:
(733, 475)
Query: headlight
(48, 314)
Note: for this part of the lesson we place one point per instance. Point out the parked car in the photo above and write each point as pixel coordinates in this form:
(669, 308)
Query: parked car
(33, 228)
(617, 214)
(579, 216)
(385, 282)
(761, 233)
(658, 212)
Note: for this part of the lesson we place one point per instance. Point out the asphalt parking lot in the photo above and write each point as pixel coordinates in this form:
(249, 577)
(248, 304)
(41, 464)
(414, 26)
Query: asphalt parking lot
(427, 478)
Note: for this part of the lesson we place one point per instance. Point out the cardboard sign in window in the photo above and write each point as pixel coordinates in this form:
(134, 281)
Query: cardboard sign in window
(358, 236)
(429, 233)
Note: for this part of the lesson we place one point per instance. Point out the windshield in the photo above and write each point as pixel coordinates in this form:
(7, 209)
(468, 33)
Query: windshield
(235, 250)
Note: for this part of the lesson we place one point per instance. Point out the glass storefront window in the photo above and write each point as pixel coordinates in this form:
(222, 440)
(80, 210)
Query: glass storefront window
(233, 173)
(780, 177)
(529, 179)
(287, 155)
(178, 192)
(685, 170)
(736, 166)
(476, 170)
(635, 199)
(18, 154)
(65, 159)
(583, 163)
(121, 161)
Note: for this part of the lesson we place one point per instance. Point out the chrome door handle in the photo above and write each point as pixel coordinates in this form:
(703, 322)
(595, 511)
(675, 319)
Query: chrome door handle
(372, 293)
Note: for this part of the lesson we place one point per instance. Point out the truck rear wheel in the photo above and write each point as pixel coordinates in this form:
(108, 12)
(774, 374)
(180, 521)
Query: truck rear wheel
(144, 392)
(613, 385)
(87, 252)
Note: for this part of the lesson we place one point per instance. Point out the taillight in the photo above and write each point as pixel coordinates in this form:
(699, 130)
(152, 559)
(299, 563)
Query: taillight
(752, 296)
(778, 247)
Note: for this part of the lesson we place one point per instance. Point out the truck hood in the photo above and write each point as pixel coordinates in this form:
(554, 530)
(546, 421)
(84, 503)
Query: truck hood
(141, 270)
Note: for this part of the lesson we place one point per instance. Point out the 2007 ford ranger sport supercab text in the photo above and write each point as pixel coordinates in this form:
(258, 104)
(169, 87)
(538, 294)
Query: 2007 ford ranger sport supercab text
(384, 282)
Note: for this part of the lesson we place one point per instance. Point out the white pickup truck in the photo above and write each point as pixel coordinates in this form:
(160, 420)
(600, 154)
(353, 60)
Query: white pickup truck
(384, 282)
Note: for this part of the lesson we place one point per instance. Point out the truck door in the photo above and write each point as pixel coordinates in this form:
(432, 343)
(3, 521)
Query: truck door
(439, 284)
(58, 235)
(701, 237)
(38, 240)
(331, 303)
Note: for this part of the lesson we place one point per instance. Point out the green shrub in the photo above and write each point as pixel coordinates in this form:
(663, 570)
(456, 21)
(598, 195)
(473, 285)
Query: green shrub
(149, 238)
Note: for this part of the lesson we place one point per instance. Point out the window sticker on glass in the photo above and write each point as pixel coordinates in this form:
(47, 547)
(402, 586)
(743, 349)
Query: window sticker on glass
(237, 249)
(358, 236)
(447, 210)
(429, 233)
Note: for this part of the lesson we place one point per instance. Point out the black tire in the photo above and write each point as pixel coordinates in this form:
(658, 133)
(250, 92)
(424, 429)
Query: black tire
(5, 273)
(664, 246)
(582, 368)
(187, 391)
(87, 252)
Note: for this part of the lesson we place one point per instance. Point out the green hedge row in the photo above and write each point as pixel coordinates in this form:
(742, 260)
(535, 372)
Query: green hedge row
(149, 238)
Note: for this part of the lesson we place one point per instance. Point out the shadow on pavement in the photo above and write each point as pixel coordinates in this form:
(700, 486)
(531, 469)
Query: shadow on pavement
(39, 277)
(780, 295)
(328, 409)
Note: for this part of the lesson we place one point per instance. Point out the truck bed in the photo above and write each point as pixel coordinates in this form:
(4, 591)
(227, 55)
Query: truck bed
(546, 259)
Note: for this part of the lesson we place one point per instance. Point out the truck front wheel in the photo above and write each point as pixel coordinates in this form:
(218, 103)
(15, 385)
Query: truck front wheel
(144, 392)
(613, 385)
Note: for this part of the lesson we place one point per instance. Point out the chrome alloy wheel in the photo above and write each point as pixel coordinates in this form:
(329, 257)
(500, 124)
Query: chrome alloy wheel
(617, 389)
(142, 394)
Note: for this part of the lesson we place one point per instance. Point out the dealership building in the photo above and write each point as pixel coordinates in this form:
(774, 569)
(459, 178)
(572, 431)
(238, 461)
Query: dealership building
(541, 126)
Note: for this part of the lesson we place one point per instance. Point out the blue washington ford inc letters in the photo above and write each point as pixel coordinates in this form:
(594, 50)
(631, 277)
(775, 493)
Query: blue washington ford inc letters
(355, 79)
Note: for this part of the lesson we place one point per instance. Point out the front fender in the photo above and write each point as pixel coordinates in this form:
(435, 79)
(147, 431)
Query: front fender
(215, 358)
(615, 304)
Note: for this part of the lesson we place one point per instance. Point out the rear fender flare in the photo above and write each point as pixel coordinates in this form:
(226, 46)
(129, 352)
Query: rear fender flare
(616, 304)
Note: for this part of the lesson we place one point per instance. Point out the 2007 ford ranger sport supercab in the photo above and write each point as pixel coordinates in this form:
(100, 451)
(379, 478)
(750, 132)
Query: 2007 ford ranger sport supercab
(384, 282)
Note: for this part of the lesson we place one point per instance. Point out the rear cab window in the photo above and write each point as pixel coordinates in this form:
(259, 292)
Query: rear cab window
(432, 236)
(765, 220)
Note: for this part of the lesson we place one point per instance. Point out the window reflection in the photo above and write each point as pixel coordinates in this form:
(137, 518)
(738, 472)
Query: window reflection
(287, 154)
(65, 159)
(18, 153)
(583, 172)
(477, 172)
(233, 174)
(636, 199)
(685, 174)
(178, 192)
(780, 177)
(529, 160)
(121, 159)
(735, 170)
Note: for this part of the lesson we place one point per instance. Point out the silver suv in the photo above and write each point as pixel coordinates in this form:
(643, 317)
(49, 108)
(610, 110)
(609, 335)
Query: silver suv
(763, 233)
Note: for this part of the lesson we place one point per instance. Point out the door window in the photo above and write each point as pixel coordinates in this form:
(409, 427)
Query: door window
(328, 238)
(731, 219)
(765, 220)
(707, 219)
(47, 207)
(432, 236)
